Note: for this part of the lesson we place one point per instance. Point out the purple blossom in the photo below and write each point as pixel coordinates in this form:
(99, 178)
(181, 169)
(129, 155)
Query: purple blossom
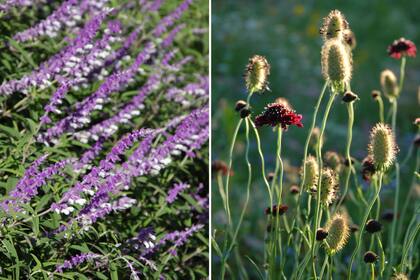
(169, 20)
(197, 91)
(76, 260)
(173, 193)
(9, 4)
(171, 36)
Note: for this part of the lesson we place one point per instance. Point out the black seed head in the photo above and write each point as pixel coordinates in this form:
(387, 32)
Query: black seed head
(245, 112)
(370, 257)
(321, 234)
(240, 105)
(346, 162)
(388, 215)
(354, 228)
(373, 226)
(376, 94)
(270, 176)
(349, 97)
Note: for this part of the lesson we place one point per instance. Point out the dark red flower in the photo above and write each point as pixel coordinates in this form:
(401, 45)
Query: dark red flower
(402, 47)
(278, 114)
(277, 209)
(220, 166)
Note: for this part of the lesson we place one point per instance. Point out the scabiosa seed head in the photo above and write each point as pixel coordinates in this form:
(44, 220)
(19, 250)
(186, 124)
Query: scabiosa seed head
(311, 176)
(277, 114)
(333, 25)
(329, 186)
(370, 257)
(376, 94)
(256, 74)
(368, 168)
(245, 112)
(382, 147)
(389, 84)
(336, 63)
(321, 234)
(276, 210)
(373, 226)
(399, 276)
(350, 39)
(294, 189)
(402, 47)
(349, 97)
(338, 233)
(333, 160)
(240, 104)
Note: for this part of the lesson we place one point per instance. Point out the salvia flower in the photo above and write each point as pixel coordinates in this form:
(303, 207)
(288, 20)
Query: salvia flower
(256, 74)
(329, 186)
(389, 84)
(311, 174)
(277, 114)
(370, 257)
(76, 260)
(171, 18)
(276, 210)
(402, 47)
(336, 64)
(338, 233)
(382, 147)
(173, 193)
(373, 226)
(333, 25)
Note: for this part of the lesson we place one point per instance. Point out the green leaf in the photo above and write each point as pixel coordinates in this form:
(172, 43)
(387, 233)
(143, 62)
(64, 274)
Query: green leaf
(114, 271)
(10, 131)
(27, 57)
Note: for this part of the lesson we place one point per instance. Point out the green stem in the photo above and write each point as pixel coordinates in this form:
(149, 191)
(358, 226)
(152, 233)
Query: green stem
(372, 269)
(363, 224)
(381, 109)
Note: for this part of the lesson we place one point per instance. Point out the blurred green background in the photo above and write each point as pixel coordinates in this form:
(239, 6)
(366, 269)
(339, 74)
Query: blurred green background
(287, 33)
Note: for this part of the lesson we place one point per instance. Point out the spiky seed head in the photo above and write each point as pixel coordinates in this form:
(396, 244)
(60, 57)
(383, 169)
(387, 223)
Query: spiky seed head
(333, 25)
(338, 233)
(321, 234)
(333, 160)
(311, 176)
(370, 257)
(389, 84)
(336, 64)
(240, 104)
(256, 74)
(382, 147)
(329, 186)
(373, 226)
(399, 276)
(350, 39)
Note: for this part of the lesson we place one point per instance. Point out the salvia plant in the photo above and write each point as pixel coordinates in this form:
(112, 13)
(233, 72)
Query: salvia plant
(331, 223)
(104, 125)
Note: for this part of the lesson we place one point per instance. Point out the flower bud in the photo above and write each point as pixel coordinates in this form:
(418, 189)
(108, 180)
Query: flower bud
(240, 104)
(376, 94)
(336, 64)
(370, 257)
(329, 185)
(311, 176)
(388, 215)
(270, 176)
(333, 160)
(350, 97)
(333, 25)
(245, 112)
(373, 226)
(338, 233)
(276, 210)
(368, 168)
(321, 234)
(382, 147)
(294, 189)
(256, 74)
(389, 84)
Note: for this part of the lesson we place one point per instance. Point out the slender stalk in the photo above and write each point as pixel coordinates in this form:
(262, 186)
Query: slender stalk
(318, 211)
(279, 194)
(381, 109)
(363, 224)
(372, 269)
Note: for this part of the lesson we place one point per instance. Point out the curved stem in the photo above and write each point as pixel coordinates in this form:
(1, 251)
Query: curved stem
(362, 227)
(381, 109)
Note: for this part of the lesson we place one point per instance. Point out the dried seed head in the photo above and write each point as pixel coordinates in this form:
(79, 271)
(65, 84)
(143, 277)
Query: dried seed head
(350, 97)
(338, 233)
(333, 160)
(373, 226)
(376, 94)
(370, 257)
(333, 25)
(336, 64)
(294, 189)
(399, 276)
(321, 234)
(240, 104)
(329, 186)
(311, 176)
(349, 38)
(256, 74)
(382, 147)
(389, 84)
(276, 210)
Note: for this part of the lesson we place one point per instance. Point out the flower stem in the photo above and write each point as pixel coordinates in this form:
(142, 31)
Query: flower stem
(363, 224)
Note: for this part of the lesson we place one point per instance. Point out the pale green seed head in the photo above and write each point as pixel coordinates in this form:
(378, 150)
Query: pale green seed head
(256, 74)
(336, 63)
(389, 84)
(329, 185)
(399, 276)
(311, 177)
(338, 233)
(333, 160)
(333, 25)
(382, 147)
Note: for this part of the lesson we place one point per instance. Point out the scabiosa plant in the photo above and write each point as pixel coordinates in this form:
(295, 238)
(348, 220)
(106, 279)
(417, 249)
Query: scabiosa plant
(401, 48)
(389, 84)
(310, 181)
(329, 186)
(276, 114)
(382, 147)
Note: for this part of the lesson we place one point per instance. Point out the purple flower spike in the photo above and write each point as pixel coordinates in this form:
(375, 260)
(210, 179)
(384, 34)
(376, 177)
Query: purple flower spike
(171, 18)
(173, 193)
(76, 260)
